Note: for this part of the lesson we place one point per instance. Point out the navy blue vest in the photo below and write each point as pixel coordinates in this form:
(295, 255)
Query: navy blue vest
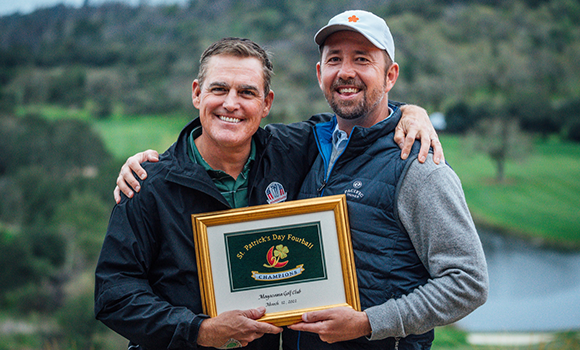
(369, 172)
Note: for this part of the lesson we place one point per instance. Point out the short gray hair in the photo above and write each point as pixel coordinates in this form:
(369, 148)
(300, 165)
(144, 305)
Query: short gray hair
(237, 47)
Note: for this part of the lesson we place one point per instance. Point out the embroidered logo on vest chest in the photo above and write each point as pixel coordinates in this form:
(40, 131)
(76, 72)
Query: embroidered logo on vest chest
(354, 192)
(275, 193)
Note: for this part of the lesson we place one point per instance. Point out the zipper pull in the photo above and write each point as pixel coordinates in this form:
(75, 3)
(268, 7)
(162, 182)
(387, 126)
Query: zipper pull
(321, 188)
(397, 343)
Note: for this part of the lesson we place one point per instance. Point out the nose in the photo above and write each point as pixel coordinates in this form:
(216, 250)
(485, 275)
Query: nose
(346, 70)
(231, 101)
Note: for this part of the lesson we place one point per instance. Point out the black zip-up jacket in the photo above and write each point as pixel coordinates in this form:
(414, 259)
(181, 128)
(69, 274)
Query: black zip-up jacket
(146, 286)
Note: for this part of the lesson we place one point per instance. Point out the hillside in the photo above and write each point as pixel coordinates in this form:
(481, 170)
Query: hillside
(83, 88)
(455, 56)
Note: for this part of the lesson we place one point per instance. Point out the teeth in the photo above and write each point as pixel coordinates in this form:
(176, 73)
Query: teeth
(348, 90)
(229, 119)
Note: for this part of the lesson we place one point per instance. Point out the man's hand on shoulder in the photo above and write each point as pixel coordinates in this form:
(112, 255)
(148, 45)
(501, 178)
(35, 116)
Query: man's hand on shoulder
(416, 125)
(240, 325)
(126, 181)
(336, 324)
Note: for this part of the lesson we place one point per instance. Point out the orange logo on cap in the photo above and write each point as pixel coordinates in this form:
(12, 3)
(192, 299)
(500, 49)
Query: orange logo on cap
(353, 18)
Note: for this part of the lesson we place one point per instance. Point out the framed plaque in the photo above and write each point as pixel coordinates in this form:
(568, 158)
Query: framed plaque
(291, 258)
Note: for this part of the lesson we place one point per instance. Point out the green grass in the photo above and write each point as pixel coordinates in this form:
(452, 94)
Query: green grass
(451, 338)
(129, 135)
(540, 198)
(123, 135)
(51, 112)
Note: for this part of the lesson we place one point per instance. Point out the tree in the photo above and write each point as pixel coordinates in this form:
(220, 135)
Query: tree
(31, 259)
(83, 221)
(459, 118)
(569, 112)
(77, 321)
(52, 200)
(501, 139)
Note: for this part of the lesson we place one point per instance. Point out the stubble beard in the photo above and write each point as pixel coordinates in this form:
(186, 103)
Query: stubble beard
(350, 110)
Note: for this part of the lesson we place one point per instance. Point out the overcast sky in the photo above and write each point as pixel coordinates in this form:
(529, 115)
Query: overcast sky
(8, 7)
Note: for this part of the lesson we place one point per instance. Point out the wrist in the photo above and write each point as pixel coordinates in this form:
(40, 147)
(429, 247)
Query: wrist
(203, 332)
(366, 328)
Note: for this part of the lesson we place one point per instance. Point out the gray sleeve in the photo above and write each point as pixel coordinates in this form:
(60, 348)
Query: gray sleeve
(432, 208)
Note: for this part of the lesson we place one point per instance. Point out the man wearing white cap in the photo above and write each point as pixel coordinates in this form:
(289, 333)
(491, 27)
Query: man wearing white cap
(418, 257)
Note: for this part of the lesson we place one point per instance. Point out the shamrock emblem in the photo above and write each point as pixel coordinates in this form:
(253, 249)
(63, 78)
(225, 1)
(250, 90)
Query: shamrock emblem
(274, 256)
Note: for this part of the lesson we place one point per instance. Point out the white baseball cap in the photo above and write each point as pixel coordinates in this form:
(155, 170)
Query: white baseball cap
(373, 27)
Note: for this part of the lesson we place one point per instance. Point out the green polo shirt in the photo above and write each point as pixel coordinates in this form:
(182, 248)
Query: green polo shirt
(235, 191)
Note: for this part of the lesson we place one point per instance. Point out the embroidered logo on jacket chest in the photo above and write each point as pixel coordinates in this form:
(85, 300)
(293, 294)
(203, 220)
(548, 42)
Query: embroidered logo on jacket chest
(275, 193)
(354, 192)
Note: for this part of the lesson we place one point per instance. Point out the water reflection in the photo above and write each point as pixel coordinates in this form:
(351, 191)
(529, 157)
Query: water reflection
(531, 289)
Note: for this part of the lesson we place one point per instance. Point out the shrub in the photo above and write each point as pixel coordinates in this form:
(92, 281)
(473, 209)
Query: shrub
(574, 131)
(30, 260)
(77, 321)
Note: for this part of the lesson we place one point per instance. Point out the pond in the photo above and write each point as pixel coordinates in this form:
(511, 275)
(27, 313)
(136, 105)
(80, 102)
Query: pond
(532, 289)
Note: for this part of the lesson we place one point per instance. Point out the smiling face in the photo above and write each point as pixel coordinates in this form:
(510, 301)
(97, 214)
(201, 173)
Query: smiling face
(231, 103)
(355, 79)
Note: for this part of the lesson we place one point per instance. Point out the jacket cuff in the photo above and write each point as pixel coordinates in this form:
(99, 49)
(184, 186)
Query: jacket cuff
(194, 328)
(385, 321)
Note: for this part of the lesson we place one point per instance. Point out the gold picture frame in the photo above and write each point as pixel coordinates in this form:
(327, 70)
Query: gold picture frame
(254, 250)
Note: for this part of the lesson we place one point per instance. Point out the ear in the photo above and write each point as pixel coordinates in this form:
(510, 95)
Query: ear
(318, 74)
(392, 75)
(268, 103)
(195, 93)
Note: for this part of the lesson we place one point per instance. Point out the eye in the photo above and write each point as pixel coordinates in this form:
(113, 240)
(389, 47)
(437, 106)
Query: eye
(249, 93)
(218, 90)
